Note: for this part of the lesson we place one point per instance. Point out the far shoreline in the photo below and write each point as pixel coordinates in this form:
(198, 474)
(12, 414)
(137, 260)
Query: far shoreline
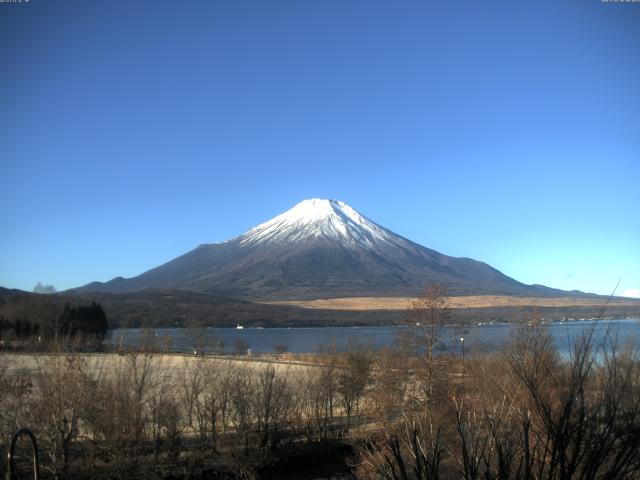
(543, 321)
(453, 302)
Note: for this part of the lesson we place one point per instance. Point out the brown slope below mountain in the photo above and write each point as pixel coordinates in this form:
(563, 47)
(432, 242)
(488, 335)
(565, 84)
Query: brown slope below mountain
(171, 308)
(470, 301)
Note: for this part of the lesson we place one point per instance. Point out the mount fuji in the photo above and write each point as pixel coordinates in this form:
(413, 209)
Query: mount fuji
(320, 249)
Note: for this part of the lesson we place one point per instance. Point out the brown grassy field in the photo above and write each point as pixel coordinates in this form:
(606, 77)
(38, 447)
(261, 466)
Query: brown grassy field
(472, 301)
(170, 365)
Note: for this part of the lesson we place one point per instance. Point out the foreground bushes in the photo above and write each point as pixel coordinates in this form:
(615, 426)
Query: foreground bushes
(105, 415)
(523, 414)
(409, 414)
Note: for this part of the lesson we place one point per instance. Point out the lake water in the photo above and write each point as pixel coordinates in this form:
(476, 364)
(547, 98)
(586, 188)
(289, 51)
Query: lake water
(305, 340)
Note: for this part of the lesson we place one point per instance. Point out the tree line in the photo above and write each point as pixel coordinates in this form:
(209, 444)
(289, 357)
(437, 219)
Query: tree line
(31, 320)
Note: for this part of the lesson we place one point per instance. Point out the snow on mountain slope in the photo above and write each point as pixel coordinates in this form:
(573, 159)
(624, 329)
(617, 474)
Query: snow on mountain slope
(319, 249)
(319, 219)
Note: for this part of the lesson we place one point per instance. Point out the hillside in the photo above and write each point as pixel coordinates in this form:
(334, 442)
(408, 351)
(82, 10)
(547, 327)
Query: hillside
(321, 249)
(171, 308)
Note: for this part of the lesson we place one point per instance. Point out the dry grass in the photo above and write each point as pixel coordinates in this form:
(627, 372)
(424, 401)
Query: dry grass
(471, 301)
(169, 364)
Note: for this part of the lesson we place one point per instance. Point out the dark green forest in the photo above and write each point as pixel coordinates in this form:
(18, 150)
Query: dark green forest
(36, 319)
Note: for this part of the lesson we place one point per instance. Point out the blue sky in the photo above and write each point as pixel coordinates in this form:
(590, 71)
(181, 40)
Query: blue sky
(509, 132)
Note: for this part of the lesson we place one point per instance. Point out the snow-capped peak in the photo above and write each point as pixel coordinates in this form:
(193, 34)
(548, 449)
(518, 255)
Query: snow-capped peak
(318, 219)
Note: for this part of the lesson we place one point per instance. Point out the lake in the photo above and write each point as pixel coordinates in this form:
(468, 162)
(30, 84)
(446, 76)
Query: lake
(305, 340)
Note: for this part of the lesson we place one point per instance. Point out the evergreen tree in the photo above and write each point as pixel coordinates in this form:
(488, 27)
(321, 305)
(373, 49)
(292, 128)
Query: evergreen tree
(17, 328)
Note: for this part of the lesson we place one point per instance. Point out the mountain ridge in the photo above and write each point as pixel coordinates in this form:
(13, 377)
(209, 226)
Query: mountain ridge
(320, 249)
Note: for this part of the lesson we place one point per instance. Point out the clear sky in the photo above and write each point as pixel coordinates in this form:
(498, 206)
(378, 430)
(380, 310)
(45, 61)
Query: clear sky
(132, 131)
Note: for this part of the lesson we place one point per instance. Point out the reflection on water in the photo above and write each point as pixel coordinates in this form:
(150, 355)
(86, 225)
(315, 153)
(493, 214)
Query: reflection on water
(489, 337)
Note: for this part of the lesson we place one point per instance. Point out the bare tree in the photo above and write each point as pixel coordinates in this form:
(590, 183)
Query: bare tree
(240, 346)
(191, 383)
(165, 421)
(390, 384)
(413, 452)
(64, 387)
(354, 377)
(427, 315)
(280, 348)
(242, 412)
(224, 385)
(16, 389)
(142, 365)
(587, 410)
(273, 401)
(200, 337)
(314, 397)
(205, 396)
